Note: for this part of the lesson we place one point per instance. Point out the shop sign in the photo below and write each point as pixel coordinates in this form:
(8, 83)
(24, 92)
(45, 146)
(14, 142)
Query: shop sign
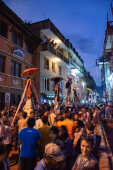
(7, 99)
(18, 53)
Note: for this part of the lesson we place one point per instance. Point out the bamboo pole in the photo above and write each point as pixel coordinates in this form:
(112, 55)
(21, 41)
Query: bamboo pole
(22, 98)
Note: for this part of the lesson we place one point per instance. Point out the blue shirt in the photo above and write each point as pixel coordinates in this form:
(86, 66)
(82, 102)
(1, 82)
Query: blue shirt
(28, 138)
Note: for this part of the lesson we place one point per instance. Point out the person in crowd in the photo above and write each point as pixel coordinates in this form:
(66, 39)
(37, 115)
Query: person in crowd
(32, 114)
(22, 122)
(95, 138)
(7, 134)
(51, 117)
(67, 145)
(83, 113)
(68, 123)
(96, 115)
(53, 158)
(38, 122)
(29, 139)
(2, 129)
(44, 131)
(75, 116)
(53, 134)
(89, 128)
(86, 160)
(55, 138)
(78, 133)
(3, 158)
(59, 120)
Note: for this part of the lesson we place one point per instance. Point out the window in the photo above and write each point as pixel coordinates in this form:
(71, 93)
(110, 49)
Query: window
(48, 84)
(53, 67)
(3, 29)
(2, 64)
(29, 46)
(15, 69)
(15, 98)
(45, 84)
(2, 100)
(17, 38)
(60, 70)
(46, 63)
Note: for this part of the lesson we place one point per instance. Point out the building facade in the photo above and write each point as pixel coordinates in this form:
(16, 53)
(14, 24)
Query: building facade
(106, 63)
(16, 54)
(58, 58)
(42, 45)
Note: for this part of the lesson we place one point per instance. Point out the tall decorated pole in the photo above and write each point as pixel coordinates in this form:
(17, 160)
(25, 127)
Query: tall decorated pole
(68, 87)
(75, 98)
(57, 91)
(28, 90)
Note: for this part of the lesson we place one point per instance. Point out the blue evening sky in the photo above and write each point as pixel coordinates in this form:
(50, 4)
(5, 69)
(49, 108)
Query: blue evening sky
(83, 22)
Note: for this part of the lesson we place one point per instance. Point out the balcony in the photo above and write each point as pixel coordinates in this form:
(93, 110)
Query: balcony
(103, 60)
(73, 62)
(11, 81)
(53, 51)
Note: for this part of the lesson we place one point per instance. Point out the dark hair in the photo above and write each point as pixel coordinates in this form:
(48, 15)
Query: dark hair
(54, 129)
(88, 139)
(65, 134)
(24, 114)
(90, 127)
(31, 122)
(68, 115)
(45, 119)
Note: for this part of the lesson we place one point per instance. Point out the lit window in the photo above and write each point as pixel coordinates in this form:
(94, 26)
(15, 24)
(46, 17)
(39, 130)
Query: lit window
(53, 67)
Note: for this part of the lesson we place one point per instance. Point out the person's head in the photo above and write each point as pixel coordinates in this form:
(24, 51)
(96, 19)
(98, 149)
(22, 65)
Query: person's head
(53, 134)
(63, 132)
(64, 114)
(83, 110)
(45, 119)
(89, 129)
(5, 120)
(59, 118)
(54, 156)
(76, 127)
(68, 115)
(24, 115)
(86, 145)
(75, 116)
(32, 114)
(31, 122)
(46, 113)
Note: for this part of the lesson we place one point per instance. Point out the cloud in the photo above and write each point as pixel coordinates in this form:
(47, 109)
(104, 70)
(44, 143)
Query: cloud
(86, 45)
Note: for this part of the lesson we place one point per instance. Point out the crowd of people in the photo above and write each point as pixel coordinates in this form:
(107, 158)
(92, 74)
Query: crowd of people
(68, 140)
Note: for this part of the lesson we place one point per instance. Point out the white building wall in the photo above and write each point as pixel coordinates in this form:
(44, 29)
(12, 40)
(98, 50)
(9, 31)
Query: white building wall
(44, 73)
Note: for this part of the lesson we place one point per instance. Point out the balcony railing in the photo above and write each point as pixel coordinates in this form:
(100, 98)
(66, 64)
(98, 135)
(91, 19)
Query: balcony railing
(50, 48)
(11, 81)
